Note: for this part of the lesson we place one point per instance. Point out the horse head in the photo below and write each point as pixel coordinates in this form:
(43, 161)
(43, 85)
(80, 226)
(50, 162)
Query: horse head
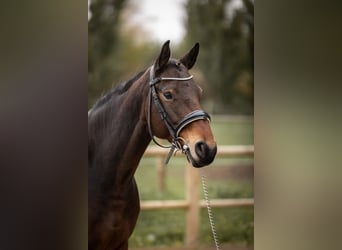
(177, 114)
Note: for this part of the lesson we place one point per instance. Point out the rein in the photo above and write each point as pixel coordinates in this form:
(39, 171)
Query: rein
(173, 130)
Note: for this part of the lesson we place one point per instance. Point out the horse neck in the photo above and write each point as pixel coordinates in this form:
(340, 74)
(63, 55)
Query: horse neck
(124, 138)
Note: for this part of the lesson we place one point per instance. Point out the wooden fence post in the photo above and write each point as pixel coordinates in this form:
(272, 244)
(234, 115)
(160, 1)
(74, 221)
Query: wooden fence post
(193, 211)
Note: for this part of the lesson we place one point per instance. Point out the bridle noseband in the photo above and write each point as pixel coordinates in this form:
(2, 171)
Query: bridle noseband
(173, 130)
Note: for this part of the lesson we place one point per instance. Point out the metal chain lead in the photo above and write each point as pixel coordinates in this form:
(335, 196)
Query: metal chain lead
(210, 213)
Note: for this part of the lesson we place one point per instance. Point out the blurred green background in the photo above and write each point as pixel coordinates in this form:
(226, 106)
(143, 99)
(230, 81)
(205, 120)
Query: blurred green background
(119, 48)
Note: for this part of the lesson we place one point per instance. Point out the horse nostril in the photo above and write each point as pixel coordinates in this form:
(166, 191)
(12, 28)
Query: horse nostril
(205, 154)
(201, 149)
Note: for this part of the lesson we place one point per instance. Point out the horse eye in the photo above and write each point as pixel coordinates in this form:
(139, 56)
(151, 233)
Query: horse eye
(167, 95)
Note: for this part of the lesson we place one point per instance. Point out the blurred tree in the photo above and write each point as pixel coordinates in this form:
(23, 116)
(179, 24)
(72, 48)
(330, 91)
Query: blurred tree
(103, 30)
(226, 35)
(116, 48)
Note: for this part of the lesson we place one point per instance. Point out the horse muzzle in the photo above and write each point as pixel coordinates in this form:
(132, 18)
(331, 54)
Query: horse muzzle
(201, 154)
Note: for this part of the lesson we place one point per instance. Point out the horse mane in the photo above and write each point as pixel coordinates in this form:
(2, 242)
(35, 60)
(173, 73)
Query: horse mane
(117, 90)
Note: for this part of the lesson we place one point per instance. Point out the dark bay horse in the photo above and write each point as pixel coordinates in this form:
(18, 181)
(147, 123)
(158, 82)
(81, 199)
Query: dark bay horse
(161, 101)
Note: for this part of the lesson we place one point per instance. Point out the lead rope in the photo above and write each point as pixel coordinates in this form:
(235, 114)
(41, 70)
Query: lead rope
(210, 213)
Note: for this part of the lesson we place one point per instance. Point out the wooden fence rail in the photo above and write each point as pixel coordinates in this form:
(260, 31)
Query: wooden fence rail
(192, 203)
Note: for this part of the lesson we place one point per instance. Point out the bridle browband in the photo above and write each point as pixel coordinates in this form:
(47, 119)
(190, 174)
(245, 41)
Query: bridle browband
(173, 130)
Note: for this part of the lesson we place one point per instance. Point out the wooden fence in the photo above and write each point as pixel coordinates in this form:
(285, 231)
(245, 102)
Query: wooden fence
(192, 202)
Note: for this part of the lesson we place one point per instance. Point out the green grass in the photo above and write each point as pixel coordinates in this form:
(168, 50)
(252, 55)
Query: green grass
(159, 228)
(235, 225)
(166, 227)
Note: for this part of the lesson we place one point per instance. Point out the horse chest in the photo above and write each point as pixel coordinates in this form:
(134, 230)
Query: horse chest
(113, 221)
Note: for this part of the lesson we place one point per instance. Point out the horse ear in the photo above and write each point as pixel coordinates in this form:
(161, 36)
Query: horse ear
(163, 57)
(189, 59)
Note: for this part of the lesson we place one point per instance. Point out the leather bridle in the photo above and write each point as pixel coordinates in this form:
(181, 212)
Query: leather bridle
(173, 130)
